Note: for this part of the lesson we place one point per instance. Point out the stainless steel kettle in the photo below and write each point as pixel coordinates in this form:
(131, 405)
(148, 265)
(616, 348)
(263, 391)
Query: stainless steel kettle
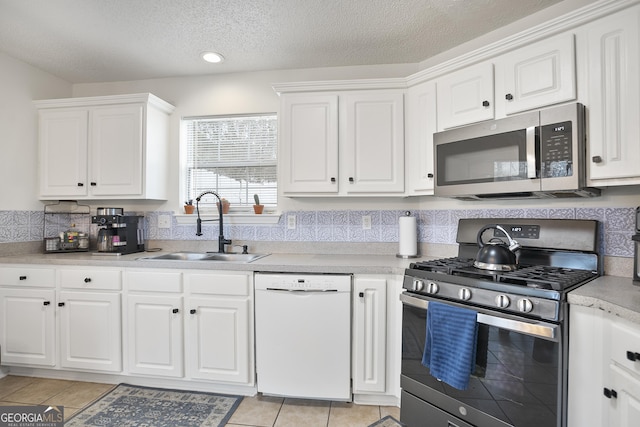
(495, 255)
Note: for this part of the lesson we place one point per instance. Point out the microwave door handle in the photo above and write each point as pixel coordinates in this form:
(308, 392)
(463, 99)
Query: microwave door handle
(531, 152)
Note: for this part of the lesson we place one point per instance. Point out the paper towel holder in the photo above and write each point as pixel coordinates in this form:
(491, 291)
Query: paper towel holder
(417, 255)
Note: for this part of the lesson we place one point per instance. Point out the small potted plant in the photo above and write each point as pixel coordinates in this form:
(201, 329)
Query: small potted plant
(188, 206)
(225, 205)
(257, 208)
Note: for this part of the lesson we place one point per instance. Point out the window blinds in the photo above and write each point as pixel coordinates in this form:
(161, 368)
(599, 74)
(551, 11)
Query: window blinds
(235, 156)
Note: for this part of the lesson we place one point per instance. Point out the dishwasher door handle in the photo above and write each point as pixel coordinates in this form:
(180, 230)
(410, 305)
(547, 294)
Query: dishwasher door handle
(302, 290)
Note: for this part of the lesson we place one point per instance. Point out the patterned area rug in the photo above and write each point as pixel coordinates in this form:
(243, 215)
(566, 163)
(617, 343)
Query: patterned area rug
(130, 405)
(387, 421)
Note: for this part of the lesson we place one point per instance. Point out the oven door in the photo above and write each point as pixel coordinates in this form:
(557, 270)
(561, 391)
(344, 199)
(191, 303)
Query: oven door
(497, 157)
(522, 385)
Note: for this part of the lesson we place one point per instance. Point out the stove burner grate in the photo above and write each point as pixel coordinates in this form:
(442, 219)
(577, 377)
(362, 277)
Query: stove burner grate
(535, 276)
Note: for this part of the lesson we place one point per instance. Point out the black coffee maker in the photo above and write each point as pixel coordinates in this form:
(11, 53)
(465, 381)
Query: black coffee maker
(636, 251)
(121, 234)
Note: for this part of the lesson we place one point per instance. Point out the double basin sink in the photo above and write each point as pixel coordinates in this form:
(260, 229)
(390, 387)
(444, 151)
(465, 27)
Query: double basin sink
(207, 256)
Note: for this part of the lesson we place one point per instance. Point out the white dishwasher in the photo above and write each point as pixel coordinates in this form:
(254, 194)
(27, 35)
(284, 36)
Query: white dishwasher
(303, 335)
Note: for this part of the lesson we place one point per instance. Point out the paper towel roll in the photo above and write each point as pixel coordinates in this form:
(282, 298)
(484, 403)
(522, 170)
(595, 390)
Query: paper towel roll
(408, 236)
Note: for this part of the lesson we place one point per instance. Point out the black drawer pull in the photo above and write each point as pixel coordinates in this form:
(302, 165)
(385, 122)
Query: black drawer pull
(485, 103)
(175, 310)
(60, 304)
(80, 184)
(633, 356)
(192, 311)
(508, 97)
(429, 175)
(361, 294)
(596, 159)
(23, 277)
(46, 303)
(610, 393)
(87, 279)
(93, 184)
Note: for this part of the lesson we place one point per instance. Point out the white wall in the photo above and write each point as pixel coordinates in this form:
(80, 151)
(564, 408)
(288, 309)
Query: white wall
(20, 85)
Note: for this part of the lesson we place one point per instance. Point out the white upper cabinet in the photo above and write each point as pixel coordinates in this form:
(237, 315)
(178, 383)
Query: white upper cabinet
(309, 143)
(113, 147)
(338, 143)
(610, 58)
(420, 125)
(465, 96)
(538, 75)
(535, 76)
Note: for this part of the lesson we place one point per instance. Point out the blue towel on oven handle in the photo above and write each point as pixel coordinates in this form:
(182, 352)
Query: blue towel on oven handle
(450, 347)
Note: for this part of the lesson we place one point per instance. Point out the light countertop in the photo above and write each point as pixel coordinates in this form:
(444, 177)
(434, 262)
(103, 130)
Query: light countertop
(616, 295)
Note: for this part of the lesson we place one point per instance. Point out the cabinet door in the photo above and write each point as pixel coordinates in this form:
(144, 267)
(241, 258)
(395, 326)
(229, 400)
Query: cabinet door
(90, 331)
(624, 408)
(218, 339)
(154, 334)
(614, 98)
(63, 153)
(116, 150)
(27, 326)
(540, 74)
(373, 142)
(369, 335)
(309, 143)
(421, 125)
(465, 96)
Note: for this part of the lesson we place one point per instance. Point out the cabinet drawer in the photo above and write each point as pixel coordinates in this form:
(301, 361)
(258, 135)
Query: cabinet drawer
(625, 344)
(91, 279)
(28, 276)
(154, 281)
(218, 284)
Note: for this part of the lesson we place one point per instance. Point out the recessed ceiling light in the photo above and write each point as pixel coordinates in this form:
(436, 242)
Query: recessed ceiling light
(214, 58)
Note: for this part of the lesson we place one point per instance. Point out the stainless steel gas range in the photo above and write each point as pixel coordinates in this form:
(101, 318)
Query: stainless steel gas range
(518, 375)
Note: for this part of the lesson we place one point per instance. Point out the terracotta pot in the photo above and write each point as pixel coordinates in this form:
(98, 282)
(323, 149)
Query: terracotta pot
(189, 209)
(225, 206)
(258, 208)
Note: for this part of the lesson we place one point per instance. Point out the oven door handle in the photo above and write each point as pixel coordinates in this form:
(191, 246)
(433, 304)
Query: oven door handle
(536, 329)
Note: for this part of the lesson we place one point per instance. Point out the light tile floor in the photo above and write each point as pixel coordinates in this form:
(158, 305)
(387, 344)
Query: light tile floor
(256, 411)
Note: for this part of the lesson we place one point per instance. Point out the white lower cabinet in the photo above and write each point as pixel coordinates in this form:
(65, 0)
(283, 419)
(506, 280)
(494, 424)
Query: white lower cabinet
(27, 322)
(376, 339)
(604, 369)
(219, 327)
(90, 330)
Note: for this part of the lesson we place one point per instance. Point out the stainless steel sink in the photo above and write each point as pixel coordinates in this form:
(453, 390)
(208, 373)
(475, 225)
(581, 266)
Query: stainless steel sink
(206, 256)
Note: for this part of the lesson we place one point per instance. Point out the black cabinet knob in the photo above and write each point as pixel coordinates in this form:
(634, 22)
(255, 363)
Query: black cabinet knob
(633, 356)
(93, 184)
(596, 159)
(485, 103)
(60, 304)
(508, 97)
(87, 279)
(361, 294)
(429, 175)
(192, 311)
(81, 184)
(610, 393)
(175, 310)
(46, 303)
(351, 179)
(23, 277)
(333, 179)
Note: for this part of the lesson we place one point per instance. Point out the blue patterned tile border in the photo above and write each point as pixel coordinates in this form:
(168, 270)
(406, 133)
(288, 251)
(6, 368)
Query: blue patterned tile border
(434, 226)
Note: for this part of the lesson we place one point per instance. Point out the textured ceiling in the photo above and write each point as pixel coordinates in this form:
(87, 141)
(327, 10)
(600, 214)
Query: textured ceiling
(117, 40)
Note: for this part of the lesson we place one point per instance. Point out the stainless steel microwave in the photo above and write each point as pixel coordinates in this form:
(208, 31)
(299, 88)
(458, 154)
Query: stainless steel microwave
(539, 154)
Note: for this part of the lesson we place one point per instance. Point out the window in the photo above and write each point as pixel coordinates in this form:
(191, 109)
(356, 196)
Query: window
(235, 156)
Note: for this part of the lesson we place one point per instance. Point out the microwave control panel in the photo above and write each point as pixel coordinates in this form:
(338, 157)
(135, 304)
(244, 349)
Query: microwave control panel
(556, 150)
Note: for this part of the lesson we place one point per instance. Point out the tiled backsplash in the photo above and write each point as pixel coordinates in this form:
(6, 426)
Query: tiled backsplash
(434, 226)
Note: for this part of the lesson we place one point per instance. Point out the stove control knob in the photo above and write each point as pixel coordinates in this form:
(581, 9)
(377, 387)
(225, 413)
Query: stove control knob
(502, 301)
(525, 305)
(432, 288)
(418, 285)
(464, 294)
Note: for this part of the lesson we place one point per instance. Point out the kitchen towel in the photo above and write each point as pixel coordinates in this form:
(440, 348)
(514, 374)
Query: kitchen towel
(408, 236)
(450, 347)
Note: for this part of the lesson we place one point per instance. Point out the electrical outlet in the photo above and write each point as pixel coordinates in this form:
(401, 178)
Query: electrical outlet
(366, 222)
(291, 222)
(164, 221)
